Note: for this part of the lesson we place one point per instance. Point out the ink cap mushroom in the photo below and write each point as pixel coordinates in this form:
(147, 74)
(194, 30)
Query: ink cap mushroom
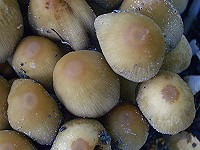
(85, 84)
(71, 22)
(133, 44)
(167, 103)
(35, 57)
(86, 134)
(32, 111)
(12, 140)
(11, 27)
(179, 58)
(127, 126)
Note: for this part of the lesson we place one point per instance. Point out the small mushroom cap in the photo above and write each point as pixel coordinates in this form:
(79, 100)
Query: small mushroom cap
(183, 141)
(68, 21)
(180, 5)
(178, 59)
(84, 134)
(36, 58)
(4, 91)
(163, 13)
(33, 112)
(11, 27)
(127, 127)
(12, 140)
(132, 44)
(167, 103)
(85, 83)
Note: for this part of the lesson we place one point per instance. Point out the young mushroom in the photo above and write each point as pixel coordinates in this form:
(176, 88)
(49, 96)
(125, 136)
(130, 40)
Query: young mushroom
(179, 58)
(32, 111)
(68, 21)
(85, 84)
(82, 134)
(132, 44)
(163, 13)
(12, 140)
(167, 102)
(36, 57)
(126, 126)
(11, 27)
(4, 91)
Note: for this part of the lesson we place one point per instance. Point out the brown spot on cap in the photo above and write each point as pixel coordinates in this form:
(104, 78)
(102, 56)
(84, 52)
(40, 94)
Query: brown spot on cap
(170, 93)
(80, 144)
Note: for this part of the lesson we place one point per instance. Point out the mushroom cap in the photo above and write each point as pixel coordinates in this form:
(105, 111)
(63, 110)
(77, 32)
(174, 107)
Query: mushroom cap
(32, 111)
(11, 27)
(36, 58)
(167, 103)
(179, 58)
(127, 126)
(85, 83)
(163, 13)
(68, 21)
(4, 91)
(183, 141)
(12, 140)
(81, 134)
(132, 44)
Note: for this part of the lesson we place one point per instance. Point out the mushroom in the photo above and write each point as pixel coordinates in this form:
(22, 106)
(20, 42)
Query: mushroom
(163, 13)
(4, 91)
(178, 59)
(68, 21)
(133, 44)
(12, 140)
(11, 25)
(85, 84)
(36, 57)
(167, 102)
(126, 126)
(84, 134)
(183, 141)
(32, 111)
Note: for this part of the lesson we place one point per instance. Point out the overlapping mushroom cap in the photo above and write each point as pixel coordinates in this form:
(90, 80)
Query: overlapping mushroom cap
(132, 44)
(167, 103)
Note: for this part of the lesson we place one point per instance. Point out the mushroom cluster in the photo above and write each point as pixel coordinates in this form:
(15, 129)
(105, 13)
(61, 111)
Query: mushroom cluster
(93, 74)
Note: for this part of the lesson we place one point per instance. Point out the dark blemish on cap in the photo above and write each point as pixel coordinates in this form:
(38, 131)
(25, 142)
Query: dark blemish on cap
(104, 137)
(49, 116)
(170, 93)
(62, 128)
(22, 64)
(47, 5)
(194, 145)
(56, 55)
